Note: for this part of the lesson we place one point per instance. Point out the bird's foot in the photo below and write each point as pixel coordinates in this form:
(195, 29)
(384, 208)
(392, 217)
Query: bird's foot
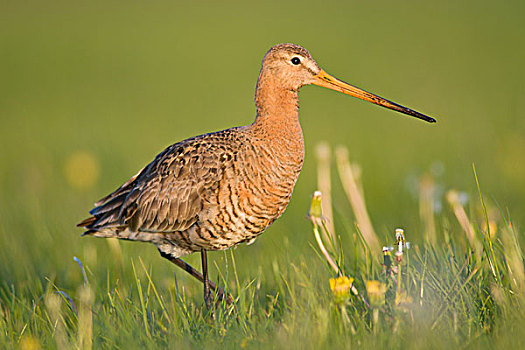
(208, 298)
(217, 295)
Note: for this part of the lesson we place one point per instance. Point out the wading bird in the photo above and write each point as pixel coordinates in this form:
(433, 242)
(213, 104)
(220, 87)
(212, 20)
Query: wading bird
(217, 190)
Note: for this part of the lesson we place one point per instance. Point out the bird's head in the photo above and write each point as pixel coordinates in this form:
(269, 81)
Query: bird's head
(291, 66)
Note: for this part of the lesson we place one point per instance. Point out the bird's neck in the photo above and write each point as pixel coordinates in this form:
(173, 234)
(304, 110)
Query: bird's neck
(277, 110)
(278, 130)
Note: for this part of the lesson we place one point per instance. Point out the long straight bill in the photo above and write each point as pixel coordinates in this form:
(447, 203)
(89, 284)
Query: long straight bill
(326, 80)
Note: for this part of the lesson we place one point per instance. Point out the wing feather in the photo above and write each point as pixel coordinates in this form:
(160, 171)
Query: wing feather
(169, 193)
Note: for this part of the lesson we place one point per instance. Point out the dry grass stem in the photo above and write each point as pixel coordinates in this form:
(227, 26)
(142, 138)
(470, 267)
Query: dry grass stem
(426, 207)
(461, 215)
(356, 198)
(324, 185)
(315, 214)
(85, 318)
(53, 303)
(514, 261)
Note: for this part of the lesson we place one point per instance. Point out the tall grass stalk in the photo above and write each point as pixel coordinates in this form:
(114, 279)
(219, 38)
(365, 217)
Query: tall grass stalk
(356, 197)
(324, 184)
(85, 317)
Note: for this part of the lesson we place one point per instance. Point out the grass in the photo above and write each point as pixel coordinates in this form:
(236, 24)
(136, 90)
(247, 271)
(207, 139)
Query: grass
(455, 293)
(90, 92)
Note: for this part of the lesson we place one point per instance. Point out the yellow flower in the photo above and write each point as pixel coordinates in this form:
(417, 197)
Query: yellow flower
(341, 288)
(376, 292)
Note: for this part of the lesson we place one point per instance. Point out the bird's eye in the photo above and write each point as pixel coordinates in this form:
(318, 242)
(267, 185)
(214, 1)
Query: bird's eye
(296, 60)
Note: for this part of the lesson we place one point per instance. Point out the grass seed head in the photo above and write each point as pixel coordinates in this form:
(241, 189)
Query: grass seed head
(316, 211)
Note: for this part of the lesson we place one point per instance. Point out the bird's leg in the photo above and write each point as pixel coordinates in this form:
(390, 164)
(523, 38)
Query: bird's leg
(208, 296)
(192, 271)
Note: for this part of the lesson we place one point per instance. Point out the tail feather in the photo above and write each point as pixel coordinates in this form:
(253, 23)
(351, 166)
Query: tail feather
(106, 215)
(87, 222)
(89, 232)
(124, 189)
(111, 204)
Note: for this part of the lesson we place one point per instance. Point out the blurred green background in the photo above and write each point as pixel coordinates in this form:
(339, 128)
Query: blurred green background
(91, 91)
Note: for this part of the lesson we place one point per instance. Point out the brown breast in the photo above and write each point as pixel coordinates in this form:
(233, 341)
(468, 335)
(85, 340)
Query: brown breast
(255, 188)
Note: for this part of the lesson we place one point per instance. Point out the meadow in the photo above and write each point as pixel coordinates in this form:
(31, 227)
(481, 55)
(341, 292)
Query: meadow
(90, 92)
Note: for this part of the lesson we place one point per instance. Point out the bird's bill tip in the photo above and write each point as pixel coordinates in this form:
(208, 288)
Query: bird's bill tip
(326, 80)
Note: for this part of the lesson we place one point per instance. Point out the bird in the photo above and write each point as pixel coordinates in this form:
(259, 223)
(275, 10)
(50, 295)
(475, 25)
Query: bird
(218, 190)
